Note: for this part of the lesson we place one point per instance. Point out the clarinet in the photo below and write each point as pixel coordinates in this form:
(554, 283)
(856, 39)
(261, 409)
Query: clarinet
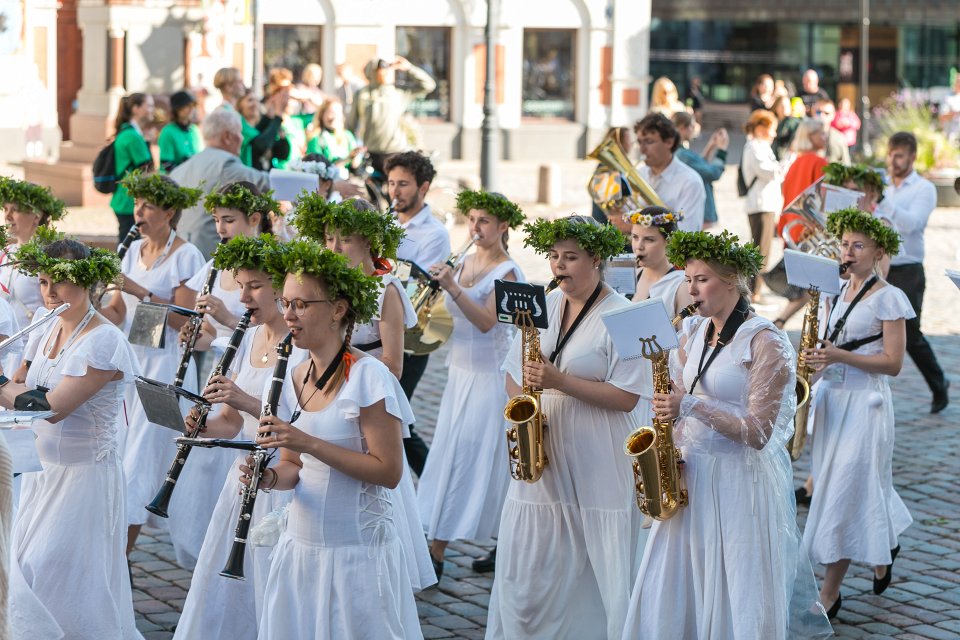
(161, 502)
(261, 458)
(196, 322)
(133, 234)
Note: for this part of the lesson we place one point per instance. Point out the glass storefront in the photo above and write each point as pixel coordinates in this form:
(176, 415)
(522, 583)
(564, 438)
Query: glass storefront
(429, 49)
(290, 46)
(548, 73)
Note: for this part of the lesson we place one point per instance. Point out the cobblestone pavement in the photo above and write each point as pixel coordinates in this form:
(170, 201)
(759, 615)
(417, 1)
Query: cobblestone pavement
(924, 600)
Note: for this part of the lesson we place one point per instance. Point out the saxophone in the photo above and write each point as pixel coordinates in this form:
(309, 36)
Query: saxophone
(808, 340)
(434, 324)
(656, 460)
(525, 445)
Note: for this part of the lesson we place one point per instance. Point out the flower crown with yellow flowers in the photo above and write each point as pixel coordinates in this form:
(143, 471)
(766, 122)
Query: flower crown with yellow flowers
(653, 216)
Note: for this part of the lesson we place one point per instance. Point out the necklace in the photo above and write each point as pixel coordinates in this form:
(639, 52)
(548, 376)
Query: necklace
(476, 276)
(265, 358)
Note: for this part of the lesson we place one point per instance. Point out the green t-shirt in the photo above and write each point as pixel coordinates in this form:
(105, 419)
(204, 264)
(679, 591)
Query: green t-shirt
(130, 151)
(249, 133)
(178, 145)
(332, 147)
(297, 137)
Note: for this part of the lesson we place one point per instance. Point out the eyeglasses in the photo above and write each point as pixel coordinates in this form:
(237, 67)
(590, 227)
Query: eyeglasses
(856, 246)
(299, 306)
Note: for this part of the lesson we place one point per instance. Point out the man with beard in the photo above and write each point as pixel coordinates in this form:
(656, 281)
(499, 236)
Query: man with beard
(907, 203)
(426, 242)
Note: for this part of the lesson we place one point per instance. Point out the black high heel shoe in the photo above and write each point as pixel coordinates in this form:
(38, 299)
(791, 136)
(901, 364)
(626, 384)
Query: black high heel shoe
(835, 608)
(880, 584)
(802, 496)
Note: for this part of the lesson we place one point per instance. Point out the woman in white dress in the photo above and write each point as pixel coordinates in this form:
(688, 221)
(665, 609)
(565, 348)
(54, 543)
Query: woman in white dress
(154, 268)
(337, 571)
(567, 542)
(729, 564)
(68, 569)
(465, 480)
(238, 209)
(855, 513)
(26, 207)
(656, 278)
(219, 607)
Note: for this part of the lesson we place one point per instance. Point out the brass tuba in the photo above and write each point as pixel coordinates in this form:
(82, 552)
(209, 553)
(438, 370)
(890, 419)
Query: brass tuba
(813, 238)
(434, 324)
(605, 185)
(656, 460)
(525, 445)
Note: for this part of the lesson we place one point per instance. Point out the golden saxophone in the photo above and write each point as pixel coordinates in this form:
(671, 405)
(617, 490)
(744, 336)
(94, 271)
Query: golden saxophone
(656, 460)
(525, 445)
(434, 324)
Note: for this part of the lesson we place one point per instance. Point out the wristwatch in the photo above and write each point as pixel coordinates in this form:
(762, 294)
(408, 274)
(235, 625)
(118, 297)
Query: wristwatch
(147, 298)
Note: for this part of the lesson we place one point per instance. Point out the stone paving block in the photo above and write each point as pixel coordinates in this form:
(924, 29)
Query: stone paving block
(466, 609)
(471, 634)
(936, 633)
(152, 606)
(919, 588)
(158, 635)
(913, 610)
(166, 620)
(950, 625)
(427, 610)
(430, 631)
(452, 622)
(878, 627)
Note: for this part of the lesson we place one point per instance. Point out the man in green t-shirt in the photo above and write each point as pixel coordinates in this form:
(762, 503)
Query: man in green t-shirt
(131, 151)
(180, 139)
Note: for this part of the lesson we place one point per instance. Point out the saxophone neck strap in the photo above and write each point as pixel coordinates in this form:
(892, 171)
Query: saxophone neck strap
(562, 340)
(730, 327)
(853, 345)
(843, 319)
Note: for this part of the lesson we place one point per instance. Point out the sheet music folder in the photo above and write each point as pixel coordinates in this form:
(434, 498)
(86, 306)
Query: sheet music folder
(513, 297)
(161, 402)
(640, 326)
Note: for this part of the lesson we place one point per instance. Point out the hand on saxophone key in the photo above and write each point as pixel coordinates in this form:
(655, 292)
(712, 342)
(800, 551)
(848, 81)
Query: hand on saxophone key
(824, 356)
(666, 406)
(544, 375)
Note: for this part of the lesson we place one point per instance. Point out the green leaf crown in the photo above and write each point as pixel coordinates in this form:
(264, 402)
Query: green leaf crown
(601, 241)
(725, 249)
(244, 252)
(852, 219)
(160, 191)
(30, 197)
(314, 216)
(101, 266)
(837, 173)
(493, 203)
(302, 256)
(239, 197)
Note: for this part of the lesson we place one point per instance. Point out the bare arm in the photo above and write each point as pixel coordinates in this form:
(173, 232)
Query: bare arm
(483, 317)
(391, 331)
(69, 394)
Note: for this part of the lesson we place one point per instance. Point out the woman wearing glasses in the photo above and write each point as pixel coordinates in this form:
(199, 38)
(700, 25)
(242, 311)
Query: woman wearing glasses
(218, 607)
(154, 268)
(337, 571)
(855, 513)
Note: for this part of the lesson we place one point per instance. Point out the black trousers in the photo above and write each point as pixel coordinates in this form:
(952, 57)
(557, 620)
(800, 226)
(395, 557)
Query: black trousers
(414, 446)
(911, 279)
(125, 222)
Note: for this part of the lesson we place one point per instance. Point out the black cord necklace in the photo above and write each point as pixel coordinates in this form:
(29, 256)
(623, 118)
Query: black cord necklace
(321, 381)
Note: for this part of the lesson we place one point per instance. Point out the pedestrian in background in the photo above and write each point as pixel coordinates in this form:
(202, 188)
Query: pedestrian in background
(847, 122)
(786, 126)
(837, 150)
(710, 164)
(180, 138)
(763, 174)
(762, 95)
(812, 91)
(664, 97)
(131, 151)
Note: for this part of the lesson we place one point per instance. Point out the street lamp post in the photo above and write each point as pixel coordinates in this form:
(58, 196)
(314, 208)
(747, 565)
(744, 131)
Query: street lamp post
(489, 142)
(865, 145)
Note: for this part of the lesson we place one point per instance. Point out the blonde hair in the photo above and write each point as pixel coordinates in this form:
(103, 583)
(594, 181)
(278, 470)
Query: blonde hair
(807, 127)
(225, 76)
(731, 276)
(664, 93)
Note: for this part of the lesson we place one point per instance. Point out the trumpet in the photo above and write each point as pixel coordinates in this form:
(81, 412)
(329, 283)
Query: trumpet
(656, 460)
(161, 501)
(434, 324)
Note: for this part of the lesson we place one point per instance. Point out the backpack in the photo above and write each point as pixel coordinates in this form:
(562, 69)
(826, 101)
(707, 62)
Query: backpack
(105, 170)
(742, 187)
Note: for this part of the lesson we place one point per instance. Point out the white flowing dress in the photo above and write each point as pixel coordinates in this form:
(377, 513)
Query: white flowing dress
(856, 513)
(150, 448)
(219, 607)
(730, 565)
(666, 289)
(338, 569)
(416, 553)
(465, 480)
(565, 554)
(69, 570)
(22, 292)
(230, 299)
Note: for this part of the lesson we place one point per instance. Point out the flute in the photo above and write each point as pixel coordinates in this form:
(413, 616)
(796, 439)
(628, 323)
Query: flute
(261, 459)
(161, 501)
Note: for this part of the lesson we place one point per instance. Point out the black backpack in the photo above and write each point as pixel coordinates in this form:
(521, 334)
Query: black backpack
(105, 170)
(742, 187)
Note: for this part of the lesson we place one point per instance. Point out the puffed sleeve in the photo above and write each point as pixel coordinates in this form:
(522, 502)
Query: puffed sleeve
(188, 263)
(623, 374)
(894, 305)
(768, 401)
(104, 348)
(199, 279)
(370, 382)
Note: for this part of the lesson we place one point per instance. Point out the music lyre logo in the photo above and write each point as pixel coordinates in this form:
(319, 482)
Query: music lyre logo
(650, 348)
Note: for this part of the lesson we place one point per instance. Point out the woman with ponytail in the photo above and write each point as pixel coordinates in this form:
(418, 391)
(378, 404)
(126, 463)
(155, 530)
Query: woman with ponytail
(336, 571)
(131, 151)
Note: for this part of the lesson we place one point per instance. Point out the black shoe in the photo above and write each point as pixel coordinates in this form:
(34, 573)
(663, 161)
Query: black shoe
(880, 584)
(437, 567)
(802, 496)
(485, 563)
(940, 399)
(835, 608)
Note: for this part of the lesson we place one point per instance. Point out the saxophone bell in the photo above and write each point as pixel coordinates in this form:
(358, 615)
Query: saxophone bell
(526, 449)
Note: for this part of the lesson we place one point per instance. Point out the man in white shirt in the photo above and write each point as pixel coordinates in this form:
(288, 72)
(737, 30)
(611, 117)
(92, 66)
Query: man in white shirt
(426, 243)
(907, 203)
(680, 187)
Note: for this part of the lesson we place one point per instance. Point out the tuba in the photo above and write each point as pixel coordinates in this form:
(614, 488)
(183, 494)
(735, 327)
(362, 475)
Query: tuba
(813, 237)
(525, 445)
(606, 187)
(434, 324)
(656, 460)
